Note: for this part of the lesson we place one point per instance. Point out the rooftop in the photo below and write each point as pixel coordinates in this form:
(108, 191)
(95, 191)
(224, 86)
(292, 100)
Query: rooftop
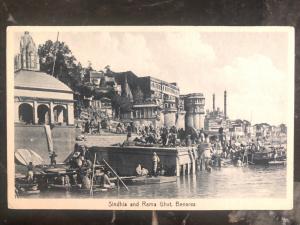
(39, 80)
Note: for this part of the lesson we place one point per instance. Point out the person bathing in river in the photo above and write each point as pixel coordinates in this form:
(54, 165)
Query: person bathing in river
(239, 162)
(275, 154)
(102, 178)
(86, 183)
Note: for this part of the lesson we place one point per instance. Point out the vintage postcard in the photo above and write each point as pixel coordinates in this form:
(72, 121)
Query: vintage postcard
(150, 118)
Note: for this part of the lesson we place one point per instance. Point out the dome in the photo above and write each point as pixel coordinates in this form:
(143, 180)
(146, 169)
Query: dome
(39, 80)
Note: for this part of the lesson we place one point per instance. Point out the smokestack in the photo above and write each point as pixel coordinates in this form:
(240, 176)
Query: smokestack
(214, 106)
(225, 104)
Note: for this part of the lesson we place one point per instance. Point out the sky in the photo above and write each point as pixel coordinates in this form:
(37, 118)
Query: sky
(251, 66)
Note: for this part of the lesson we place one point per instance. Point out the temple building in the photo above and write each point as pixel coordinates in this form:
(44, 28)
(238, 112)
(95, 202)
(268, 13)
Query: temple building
(39, 100)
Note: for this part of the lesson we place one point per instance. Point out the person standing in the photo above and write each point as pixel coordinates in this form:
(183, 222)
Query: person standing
(129, 132)
(53, 158)
(155, 161)
(30, 172)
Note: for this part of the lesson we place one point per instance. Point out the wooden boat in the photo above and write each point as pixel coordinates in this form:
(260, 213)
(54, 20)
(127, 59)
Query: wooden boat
(96, 189)
(77, 188)
(277, 163)
(144, 180)
(59, 187)
(263, 157)
(27, 189)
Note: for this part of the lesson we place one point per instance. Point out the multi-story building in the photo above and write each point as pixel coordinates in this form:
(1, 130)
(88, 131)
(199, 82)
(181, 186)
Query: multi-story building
(262, 130)
(240, 128)
(155, 101)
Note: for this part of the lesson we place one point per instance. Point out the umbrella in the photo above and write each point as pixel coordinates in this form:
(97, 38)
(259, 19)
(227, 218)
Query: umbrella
(24, 156)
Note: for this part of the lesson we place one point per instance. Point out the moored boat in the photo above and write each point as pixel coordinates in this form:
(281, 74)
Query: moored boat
(277, 163)
(143, 180)
(263, 157)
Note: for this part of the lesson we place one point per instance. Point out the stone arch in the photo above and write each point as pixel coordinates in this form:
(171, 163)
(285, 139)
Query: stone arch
(26, 113)
(43, 114)
(60, 114)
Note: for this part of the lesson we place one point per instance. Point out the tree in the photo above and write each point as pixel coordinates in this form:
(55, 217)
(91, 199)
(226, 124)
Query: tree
(121, 104)
(138, 95)
(107, 69)
(66, 68)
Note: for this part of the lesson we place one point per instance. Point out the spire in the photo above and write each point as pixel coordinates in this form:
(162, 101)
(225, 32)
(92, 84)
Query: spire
(126, 92)
(28, 56)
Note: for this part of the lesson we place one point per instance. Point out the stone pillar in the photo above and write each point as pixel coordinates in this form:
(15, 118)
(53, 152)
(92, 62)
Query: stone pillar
(35, 113)
(131, 115)
(177, 167)
(183, 169)
(60, 116)
(17, 111)
(169, 118)
(201, 121)
(188, 168)
(162, 118)
(194, 166)
(196, 118)
(70, 109)
(51, 113)
(193, 161)
(189, 120)
(180, 123)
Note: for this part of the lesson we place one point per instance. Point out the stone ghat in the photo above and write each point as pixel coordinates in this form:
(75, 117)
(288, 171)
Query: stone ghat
(124, 160)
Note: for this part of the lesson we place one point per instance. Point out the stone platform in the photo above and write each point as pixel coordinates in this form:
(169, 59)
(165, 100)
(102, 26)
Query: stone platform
(174, 160)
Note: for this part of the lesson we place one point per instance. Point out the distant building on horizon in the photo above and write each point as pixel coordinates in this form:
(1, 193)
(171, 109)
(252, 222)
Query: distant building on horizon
(216, 119)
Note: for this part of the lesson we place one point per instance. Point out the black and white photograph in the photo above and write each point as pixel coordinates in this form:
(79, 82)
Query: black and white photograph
(150, 118)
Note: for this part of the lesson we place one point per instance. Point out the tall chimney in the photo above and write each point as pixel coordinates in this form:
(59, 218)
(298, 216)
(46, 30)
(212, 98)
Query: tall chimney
(225, 104)
(214, 106)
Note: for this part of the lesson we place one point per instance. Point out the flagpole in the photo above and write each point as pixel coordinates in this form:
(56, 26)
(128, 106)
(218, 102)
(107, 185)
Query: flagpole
(55, 54)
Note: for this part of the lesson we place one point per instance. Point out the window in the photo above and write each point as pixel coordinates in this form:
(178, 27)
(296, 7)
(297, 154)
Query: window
(26, 113)
(43, 114)
(60, 114)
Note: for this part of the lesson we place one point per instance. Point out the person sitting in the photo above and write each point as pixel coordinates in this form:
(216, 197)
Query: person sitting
(138, 170)
(105, 180)
(86, 183)
(141, 171)
(79, 162)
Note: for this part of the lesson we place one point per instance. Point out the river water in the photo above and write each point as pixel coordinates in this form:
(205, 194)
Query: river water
(230, 182)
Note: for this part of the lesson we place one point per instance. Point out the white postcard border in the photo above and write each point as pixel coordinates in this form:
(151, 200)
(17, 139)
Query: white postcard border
(104, 204)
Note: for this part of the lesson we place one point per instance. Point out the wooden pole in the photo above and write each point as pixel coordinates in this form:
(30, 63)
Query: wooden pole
(55, 54)
(116, 174)
(91, 190)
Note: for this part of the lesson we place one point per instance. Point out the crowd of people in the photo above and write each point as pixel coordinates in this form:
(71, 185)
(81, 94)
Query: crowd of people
(87, 170)
(214, 151)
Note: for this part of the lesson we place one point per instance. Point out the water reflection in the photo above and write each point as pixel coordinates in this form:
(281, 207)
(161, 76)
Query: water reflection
(230, 182)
